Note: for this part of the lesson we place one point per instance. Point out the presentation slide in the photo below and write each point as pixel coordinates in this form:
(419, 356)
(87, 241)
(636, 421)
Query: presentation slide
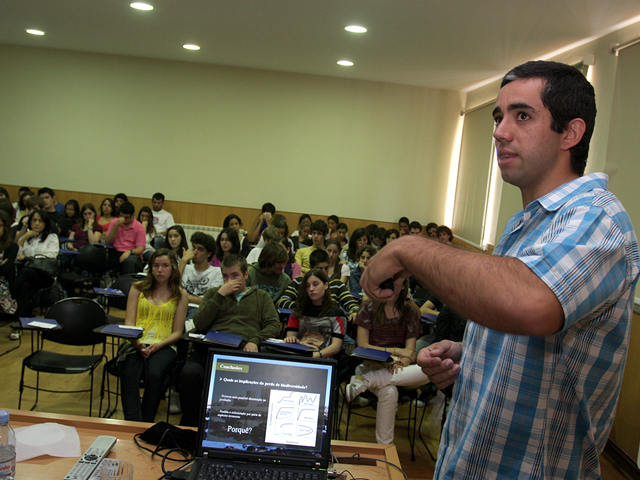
(249, 409)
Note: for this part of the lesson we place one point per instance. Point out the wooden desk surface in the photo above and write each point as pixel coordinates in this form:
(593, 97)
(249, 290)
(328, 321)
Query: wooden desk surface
(149, 468)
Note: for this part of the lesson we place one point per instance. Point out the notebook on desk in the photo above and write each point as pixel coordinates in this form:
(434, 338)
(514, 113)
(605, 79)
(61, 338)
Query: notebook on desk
(266, 412)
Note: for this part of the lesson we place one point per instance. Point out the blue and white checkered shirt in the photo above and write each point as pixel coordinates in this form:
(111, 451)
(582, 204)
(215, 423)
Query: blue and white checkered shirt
(542, 407)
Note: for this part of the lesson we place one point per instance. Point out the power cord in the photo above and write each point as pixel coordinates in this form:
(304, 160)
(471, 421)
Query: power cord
(356, 456)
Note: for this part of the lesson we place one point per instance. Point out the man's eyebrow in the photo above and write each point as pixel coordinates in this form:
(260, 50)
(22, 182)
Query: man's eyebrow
(514, 106)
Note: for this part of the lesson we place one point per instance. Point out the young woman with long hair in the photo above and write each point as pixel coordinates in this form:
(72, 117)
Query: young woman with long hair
(8, 253)
(145, 217)
(107, 213)
(316, 321)
(159, 305)
(87, 230)
(227, 243)
(333, 247)
(176, 241)
(394, 327)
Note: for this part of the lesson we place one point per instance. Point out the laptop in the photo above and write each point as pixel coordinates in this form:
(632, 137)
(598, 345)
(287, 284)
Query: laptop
(267, 412)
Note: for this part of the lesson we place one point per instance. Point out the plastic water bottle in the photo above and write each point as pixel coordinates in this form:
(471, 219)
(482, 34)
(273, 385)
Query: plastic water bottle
(7, 448)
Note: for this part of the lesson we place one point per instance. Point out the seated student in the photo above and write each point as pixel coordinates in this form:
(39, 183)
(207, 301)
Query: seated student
(227, 244)
(162, 219)
(70, 217)
(159, 305)
(332, 247)
(332, 222)
(292, 269)
(86, 231)
(316, 321)
(8, 253)
(128, 237)
(303, 237)
(7, 206)
(262, 222)
(49, 198)
(32, 203)
(319, 230)
(403, 226)
(303, 218)
(393, 327)
(338, 290)
(364, 255)
(432, 230)
(107, 213)
(390, 235)
(270, 234)
(233, 221)
(350, 253)
(268, 274)
(377, 240)
(280, 222)
(232, 308)
(415, 228)
(119, 199)
(445, 235)
(342, 234)
(176, 241)
(21, 207)
(40, 241)
(198, 276)
(145, 217)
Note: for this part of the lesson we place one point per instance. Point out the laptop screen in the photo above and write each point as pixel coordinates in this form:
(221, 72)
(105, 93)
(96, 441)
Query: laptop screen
(267, 407)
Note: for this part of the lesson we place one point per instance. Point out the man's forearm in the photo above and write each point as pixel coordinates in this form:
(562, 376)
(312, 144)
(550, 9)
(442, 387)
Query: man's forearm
(501, 293)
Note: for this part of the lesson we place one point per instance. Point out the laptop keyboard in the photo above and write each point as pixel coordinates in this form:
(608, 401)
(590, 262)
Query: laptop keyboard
(225, 471)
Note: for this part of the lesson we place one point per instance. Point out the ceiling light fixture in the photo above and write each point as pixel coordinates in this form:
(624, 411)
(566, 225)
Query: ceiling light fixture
(34, 32)
(345, 63)
(191, 47)
(141, 6)
(355, 29)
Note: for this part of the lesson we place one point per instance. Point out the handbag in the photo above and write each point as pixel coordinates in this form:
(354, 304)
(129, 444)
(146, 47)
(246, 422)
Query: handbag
(48, 266)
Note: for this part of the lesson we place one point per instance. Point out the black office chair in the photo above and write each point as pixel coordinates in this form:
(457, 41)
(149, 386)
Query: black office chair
(92, 261)
(123, 283)
(77, 317)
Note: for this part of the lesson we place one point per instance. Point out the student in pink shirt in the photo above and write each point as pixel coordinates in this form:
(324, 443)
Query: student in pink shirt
(128, 237)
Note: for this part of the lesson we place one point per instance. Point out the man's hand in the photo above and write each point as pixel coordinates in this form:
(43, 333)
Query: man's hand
(230, 288)
(187, 255)
(125, 255)
(441, 362)
(384, 265)
(352, 316)
(291, 339)
(250, 347)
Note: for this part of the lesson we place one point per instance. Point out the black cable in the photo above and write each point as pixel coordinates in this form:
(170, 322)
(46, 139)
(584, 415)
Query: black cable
(357, 455)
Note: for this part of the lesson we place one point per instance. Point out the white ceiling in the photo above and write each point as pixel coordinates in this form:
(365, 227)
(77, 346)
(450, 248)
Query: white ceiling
(434, 43)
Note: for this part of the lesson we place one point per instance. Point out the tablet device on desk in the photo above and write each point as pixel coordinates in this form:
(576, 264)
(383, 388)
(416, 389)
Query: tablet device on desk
(279, 344)
(124, 331)
(226, 339)
(108, 292)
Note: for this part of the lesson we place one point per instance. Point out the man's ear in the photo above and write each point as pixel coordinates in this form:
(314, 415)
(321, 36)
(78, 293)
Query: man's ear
(573, 133)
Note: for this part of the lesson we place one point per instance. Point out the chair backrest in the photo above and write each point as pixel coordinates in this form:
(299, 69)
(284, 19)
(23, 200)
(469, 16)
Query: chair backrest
(93, 259)
(123, 284)
(78, 317)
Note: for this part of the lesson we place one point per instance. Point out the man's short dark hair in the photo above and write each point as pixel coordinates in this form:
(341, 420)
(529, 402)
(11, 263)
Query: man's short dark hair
(235, 260)
(127, 208)
(318, 256)
(320, 226)
(342, 226)
(567, 94)
(34, 201)
(270, 234)
(431, 225)
(158, 196)
(269, 207)
(371, 229)
(7, 206)
(403, 220)
(415, 224)
(207, 241)
(47, 190)
(335, 218)
(121, 196)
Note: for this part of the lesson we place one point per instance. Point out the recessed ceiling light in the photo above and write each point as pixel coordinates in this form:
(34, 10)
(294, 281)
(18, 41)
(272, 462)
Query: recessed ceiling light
(141, 6)
(345, 63)
(191, 47)
(355, 29)
(34, 32)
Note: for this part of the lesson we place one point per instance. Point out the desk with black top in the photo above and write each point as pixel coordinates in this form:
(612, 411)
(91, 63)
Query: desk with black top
(147, 468)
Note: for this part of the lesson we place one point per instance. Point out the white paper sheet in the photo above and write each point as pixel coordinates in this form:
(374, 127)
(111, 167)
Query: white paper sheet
(47, 439)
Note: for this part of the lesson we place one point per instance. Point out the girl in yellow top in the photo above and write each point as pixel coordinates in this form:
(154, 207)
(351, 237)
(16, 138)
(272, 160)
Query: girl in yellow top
(159, 305)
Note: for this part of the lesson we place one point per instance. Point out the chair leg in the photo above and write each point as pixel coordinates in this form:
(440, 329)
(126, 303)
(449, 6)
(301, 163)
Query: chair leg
(37, 390)
(21, 388)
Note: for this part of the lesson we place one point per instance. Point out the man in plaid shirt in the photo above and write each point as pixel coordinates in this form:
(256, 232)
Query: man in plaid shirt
(538, 374)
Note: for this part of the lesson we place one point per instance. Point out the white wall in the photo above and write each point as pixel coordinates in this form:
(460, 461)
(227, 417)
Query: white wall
(223, 135)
